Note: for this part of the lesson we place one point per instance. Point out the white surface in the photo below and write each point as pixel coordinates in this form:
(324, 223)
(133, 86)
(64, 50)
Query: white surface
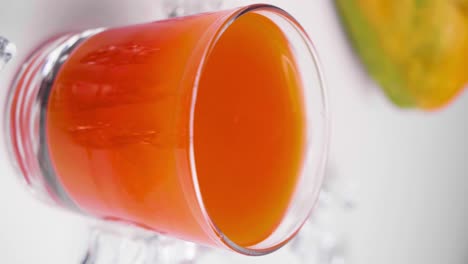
(410, 168)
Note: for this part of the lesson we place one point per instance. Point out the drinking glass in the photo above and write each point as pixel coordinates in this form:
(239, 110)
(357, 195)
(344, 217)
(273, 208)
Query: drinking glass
(210, 128)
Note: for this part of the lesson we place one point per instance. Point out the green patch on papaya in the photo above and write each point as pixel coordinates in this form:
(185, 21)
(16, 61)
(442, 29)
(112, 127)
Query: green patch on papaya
(379, 65)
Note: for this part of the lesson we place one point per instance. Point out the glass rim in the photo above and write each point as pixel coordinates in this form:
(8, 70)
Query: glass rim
(215, 232)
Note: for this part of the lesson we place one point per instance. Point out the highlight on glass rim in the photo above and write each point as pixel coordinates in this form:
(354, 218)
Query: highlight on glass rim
(232, 131)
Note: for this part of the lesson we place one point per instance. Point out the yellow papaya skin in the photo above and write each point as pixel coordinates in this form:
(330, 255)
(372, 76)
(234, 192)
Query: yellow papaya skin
(416, 50)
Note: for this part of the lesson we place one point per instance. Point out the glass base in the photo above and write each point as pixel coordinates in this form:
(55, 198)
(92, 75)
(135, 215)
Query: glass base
(24, 119)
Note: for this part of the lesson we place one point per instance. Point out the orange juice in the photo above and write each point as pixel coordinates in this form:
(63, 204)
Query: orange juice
(115, 132)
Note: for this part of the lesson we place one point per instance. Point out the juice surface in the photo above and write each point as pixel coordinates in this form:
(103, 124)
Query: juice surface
(249, 129)
(113, 134)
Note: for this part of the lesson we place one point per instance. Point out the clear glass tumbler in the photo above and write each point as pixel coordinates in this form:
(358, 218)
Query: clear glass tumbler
(114, 124)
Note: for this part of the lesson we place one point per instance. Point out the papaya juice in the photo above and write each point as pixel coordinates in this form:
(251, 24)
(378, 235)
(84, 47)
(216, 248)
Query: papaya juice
(115, 137)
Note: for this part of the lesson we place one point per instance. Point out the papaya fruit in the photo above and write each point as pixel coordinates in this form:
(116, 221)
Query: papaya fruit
(416, 50)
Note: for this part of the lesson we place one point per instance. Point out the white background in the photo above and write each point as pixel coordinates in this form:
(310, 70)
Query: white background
(409, 169)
